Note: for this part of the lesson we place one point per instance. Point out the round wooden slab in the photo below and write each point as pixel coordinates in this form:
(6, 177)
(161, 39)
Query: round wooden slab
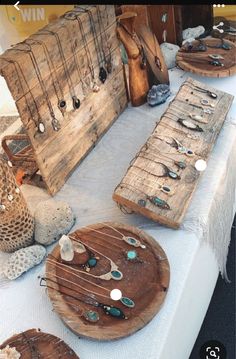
(145, 281)
(204, 69)
(35, 344)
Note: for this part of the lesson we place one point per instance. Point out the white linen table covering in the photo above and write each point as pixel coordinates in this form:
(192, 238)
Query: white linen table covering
(194, 270)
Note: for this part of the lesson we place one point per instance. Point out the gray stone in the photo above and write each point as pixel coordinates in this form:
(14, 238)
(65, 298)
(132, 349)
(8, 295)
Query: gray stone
(169, 52)
(193, 32)
(23, 260)
(52, 220)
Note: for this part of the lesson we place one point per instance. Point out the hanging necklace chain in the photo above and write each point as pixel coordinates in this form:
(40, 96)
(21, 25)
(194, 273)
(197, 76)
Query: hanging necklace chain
(39, 76)
(63, 59)
(104, 32)
(51, 68)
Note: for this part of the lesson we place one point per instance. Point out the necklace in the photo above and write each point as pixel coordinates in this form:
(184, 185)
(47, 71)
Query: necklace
(189, 135)
(193, 116)
(102, 71)
(180, 164)
(127, 239)
(75, 100)
(136, 40)
(124, 300)
(202, 60)
(167, 171)
(75, 60)
(60, 95)
(109, 60)
(55, 123)
(156, 58)
(177, 145)
(114, 273)
(200, 89)
(188, 47)
(205, 110)
(165, 189)
(156, 201)
(38, 123)
(89, 315)
(221, 45)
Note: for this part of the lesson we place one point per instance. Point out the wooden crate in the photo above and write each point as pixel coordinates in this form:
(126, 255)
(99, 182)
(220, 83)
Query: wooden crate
(141, 180)
(58, 153)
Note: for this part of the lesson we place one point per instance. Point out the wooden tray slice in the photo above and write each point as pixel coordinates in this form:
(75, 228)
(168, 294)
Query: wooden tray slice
(204, 69)
(35, 344)
(145, 281)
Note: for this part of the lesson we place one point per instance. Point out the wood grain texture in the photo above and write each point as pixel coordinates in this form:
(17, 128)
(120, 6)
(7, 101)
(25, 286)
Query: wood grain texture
(145, 281)
(35, 344)
(138, 181)
(56, 157)
(186, 60)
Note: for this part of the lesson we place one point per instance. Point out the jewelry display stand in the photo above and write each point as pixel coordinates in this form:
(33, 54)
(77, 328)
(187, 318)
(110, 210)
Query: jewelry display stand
(138, 77)
(162, 177)
(198, 62)
(16, 222)
(35, 344)
(82, 297)
(67, 82)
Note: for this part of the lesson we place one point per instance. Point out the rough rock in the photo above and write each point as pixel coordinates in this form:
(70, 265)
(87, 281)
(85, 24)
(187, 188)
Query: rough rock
(158, 94)
(23, 260)
(169, 52)
(52, 220)
(193, 32)
(9, 353)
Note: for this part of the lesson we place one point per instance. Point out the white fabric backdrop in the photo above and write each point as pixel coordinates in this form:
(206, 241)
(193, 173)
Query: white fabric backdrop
(194, 270)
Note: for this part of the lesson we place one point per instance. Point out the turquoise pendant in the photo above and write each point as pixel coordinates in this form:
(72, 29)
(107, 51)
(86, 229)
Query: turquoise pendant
(113, 311)
(173, 175)
(127, 302)
(91, 316)
(116, 275)
(131, 255)
(133, 242)
(92, 262)
(159, 202)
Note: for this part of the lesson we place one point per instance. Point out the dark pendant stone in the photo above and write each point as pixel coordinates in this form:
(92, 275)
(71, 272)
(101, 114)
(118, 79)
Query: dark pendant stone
(102, 75)
(142, 202)
(190, 152)
(114, 312)
(116, 275)
(166, 189)
(62, 104)
(76, 102)
(92, 262)
(127, 302)
(159, 202)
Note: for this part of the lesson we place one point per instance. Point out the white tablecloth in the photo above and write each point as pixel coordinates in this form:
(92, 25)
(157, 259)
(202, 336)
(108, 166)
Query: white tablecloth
(194, 269)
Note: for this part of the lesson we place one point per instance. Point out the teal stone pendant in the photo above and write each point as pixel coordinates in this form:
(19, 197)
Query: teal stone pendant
(92, 262)
(116, 275)
(173, 175)
(133, 242)
(127, 302)
(158, 202)
(113, 311)
(131, 255)
(91, 316)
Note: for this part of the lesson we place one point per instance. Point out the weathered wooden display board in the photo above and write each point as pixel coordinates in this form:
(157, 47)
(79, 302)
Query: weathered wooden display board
(140, 181)
(58, 153)
(185, 60)
(145, 281)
